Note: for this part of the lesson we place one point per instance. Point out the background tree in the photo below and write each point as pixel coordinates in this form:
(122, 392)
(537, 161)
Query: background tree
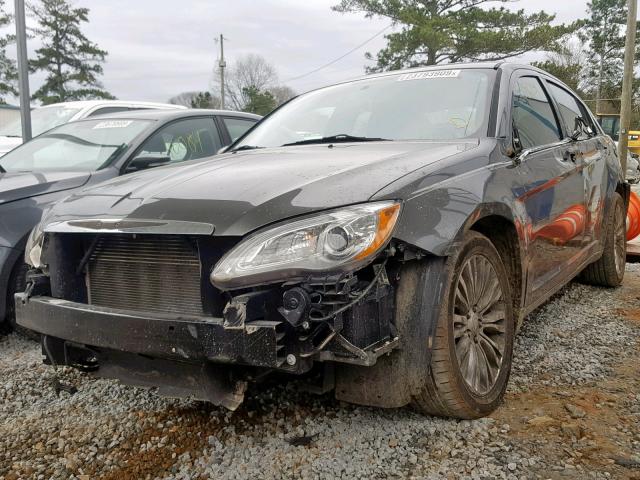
(241, 75)
(604, 33)
(8, 71)
(443, 31)
(282, 94)
(184, 99)
(259, 102)
(205, 100)
(567, 64)
(72, 63)
(247, 81)
(196, 100)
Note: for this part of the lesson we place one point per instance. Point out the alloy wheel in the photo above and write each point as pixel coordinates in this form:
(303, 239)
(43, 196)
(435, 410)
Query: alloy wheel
(620, 240)
(479, 323)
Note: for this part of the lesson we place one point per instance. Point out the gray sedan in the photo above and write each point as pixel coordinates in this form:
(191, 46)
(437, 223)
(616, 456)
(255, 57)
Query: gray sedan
(384, 237)
(83, 153)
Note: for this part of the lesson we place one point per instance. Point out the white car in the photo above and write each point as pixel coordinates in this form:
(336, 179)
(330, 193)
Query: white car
(45, 118)
(633, 168)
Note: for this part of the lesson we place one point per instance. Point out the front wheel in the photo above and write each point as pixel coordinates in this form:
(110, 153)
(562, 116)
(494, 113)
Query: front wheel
(472, 352)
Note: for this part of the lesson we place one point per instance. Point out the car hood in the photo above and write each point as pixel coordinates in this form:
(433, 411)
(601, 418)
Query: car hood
(19, 185)
(242, 191)
(8, 143)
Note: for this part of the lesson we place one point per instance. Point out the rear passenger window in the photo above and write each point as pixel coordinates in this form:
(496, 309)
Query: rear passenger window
(533, 119)
(182, 140)
(237, 126)
(570, 109)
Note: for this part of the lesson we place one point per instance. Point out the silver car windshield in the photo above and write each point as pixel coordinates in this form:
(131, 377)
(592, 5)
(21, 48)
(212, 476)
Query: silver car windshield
(42, 119)
(427, 105)
(78, 146)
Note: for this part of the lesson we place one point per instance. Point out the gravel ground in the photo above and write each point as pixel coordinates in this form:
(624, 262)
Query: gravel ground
(572, 411)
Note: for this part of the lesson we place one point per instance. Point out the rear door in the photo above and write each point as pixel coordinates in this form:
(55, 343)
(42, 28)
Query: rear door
(551, 189)
(593, 148)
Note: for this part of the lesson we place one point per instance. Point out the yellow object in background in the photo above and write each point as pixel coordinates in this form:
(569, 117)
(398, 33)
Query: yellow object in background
(634, 141)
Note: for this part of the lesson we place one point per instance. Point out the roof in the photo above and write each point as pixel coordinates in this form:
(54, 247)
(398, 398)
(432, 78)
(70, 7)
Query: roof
(107, 103)
(163, 115)
(497, 65)
(501, 65)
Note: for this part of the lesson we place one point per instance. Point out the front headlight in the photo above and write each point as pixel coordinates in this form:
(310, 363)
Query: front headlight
(335, 241)
(33, 249)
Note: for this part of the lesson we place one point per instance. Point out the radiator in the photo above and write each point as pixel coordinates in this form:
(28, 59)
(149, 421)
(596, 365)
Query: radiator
(155, 273)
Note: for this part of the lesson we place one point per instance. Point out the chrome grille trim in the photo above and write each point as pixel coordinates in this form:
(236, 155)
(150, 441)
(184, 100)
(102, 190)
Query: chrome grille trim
(129, 225)
(155, 273)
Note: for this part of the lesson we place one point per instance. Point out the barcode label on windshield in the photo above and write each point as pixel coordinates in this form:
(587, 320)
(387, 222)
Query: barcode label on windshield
(112, 124)
(431, 74)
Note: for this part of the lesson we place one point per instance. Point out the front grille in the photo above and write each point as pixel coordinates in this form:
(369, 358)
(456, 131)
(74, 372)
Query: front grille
(156, 273)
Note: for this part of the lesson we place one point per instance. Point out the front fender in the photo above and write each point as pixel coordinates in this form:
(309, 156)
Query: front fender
(435, 218)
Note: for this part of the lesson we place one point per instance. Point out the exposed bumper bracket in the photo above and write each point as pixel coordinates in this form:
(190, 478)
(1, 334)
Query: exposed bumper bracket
(189, 339)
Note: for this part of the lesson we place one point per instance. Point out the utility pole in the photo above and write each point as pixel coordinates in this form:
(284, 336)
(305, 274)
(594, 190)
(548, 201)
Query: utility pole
(23, 71)
(627, 81)
(222, 66)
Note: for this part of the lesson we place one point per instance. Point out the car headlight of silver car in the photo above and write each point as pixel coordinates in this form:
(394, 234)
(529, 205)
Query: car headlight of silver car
(33, 249)
(335, 241)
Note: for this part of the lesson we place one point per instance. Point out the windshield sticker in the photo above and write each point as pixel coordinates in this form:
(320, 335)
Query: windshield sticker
(431, 74)
(112, 124)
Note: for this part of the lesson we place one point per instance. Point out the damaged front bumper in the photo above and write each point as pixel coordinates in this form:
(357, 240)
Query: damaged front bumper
(192, 339)
(205, 358)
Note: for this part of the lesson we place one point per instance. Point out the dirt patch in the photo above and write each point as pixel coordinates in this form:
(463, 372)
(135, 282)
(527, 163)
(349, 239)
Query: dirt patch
(598, 435)
(176, 434)
(587, 428)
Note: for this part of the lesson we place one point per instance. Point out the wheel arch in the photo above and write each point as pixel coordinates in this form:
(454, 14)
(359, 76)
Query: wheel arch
(503, 234)
(497, 220)
(7, 269)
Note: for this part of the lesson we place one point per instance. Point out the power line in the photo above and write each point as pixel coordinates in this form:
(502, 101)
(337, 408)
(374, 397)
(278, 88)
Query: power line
(340, 57)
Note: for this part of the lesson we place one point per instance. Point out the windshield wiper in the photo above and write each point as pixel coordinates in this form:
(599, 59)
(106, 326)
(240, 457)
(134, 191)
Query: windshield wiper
(245, 147)
(337, 139)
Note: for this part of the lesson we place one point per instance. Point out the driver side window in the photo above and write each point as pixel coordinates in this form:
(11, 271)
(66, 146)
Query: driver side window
(533, 119)
(183, 140)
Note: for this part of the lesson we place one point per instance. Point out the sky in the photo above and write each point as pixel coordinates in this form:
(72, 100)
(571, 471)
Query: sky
(159, 48)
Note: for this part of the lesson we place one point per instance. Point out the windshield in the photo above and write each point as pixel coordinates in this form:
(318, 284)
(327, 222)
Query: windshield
(427, 105)
(78, 146)
(42, 119)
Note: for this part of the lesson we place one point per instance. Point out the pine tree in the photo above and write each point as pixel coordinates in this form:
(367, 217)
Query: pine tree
(8, 71)
(259, 102)
(444, 31)
(71, 61)
(604, 33)
(204, 100)
(568, 65)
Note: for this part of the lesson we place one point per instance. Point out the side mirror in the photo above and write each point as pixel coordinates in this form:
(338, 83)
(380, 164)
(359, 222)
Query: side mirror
(579, 128)
(144, 162)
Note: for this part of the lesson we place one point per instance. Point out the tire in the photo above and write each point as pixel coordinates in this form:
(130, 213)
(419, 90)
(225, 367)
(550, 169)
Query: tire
(452, 387)
(17, 283)
(608, 270)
